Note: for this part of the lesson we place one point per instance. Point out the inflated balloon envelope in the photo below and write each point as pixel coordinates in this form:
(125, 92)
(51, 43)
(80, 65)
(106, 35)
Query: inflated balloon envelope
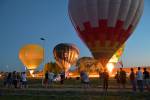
(105, 25)
(31, 55)
(66, 54)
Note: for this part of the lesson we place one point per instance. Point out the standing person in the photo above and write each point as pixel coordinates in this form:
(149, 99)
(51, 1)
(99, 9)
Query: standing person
(81, 77)
(14, 77)
(133, 80)
(9, 80)
(117, 77)
(46, 79)
(18, 80)
(24, 80)
(62, 77)
(105, 78)
(146, 79)
(5, 79)
(122, 78)
(100, 76)
(84, 79)
(51, 77)
(139, 78)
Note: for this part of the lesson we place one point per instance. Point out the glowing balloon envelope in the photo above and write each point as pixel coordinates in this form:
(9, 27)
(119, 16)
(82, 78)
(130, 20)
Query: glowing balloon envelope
(115, 58)
(65, 55)
(31, 56)
(105, 25)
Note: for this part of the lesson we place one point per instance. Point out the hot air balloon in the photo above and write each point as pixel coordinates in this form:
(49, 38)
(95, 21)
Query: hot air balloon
(105, 25)
(31, 55)
(51, 67)
(88, 64)
(65, 55)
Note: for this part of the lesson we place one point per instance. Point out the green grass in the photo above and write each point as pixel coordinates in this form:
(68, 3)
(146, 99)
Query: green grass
(19, 94)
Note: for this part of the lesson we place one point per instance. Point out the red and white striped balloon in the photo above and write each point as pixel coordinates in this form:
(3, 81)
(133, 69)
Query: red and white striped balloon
(104, 25)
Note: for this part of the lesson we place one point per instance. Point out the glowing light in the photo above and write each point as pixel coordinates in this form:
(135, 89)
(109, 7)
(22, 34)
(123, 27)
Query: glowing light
(110, 67)
(70, 74)
(31, 73)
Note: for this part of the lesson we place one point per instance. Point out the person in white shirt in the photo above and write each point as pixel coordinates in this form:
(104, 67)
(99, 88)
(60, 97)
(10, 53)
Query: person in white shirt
(139, 78)
(24, 80)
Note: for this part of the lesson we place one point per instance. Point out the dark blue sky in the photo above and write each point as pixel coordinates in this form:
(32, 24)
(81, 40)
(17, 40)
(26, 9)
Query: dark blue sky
(26, 21)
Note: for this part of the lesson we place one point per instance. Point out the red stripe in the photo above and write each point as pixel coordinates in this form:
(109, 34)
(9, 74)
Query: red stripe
(103, 33)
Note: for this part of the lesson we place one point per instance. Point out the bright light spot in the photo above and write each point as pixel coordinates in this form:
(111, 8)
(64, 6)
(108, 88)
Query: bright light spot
(110, 67)
(31, 72)
(70, 74)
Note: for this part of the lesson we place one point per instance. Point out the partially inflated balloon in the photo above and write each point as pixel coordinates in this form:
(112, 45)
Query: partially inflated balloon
(88, 64)
(85, 63)
(51, 67)
(65, 55)
(31, 56)
(105, 25)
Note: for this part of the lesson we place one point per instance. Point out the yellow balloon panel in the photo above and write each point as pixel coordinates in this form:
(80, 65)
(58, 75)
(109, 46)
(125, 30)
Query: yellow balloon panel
(31, 55)
(115, 58)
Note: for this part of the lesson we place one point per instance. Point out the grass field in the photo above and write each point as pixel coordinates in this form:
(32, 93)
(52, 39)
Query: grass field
(71, 90)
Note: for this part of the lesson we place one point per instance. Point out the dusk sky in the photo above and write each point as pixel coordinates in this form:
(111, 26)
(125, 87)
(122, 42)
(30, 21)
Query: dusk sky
(26, 21)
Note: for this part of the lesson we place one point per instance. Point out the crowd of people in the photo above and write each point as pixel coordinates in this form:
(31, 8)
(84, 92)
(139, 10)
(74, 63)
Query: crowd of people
(49, 77)
(139, 80)
(15, 79)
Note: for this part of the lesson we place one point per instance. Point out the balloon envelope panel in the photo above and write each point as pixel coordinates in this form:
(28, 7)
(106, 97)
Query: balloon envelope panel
(115, 58)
